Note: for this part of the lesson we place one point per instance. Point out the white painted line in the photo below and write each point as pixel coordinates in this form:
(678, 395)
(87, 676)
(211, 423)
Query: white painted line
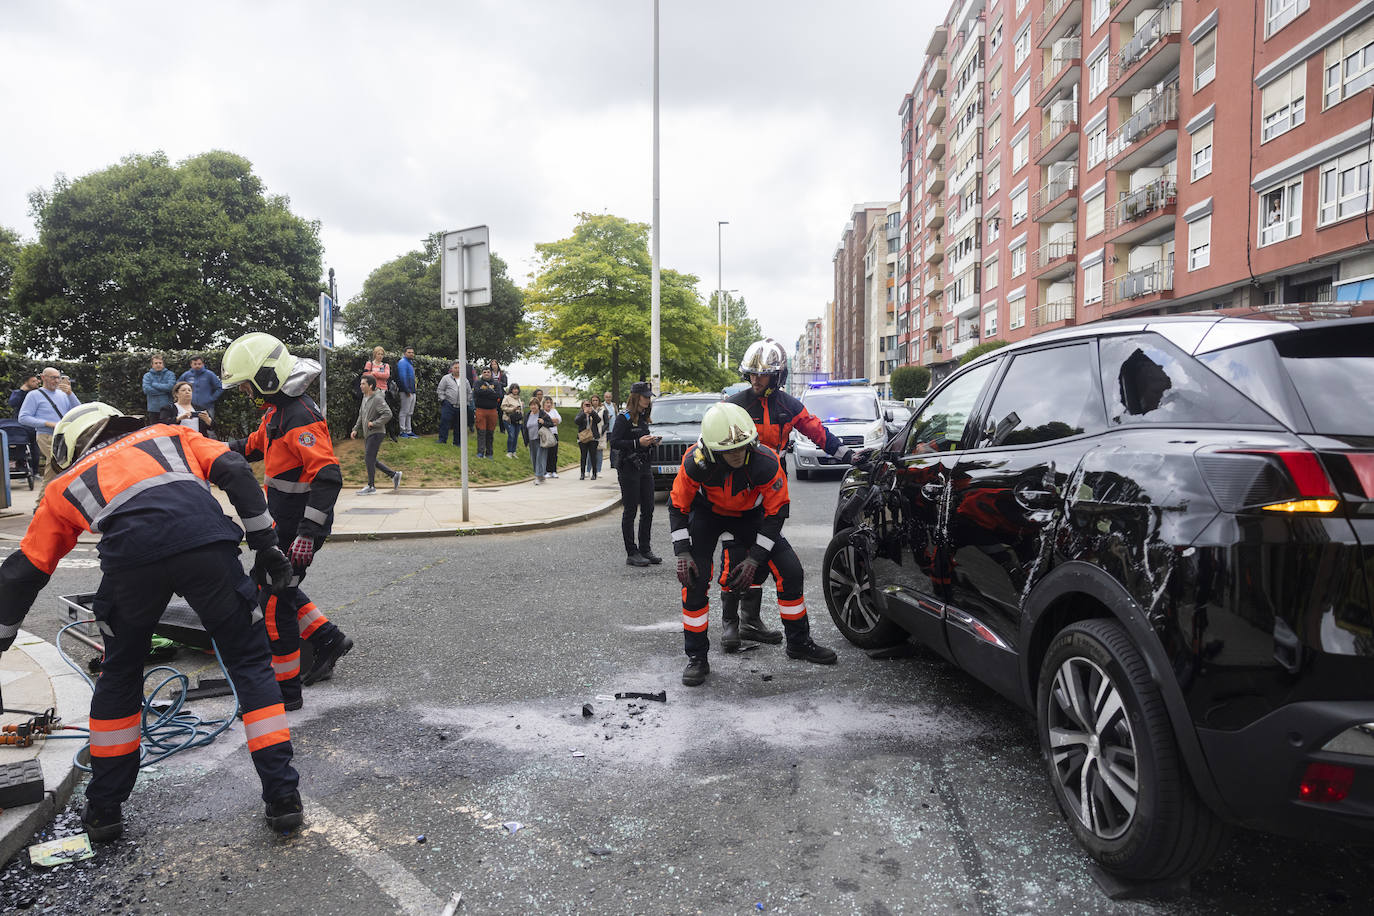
(409, 892)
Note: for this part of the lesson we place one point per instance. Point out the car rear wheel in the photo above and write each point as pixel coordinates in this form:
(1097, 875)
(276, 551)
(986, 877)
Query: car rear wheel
(848, 582)
(1113, 760)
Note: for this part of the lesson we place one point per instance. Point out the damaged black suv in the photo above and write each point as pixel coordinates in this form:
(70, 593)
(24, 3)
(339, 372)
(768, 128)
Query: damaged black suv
(1158, 536)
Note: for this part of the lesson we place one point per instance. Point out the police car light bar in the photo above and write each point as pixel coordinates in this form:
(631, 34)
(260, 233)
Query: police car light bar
(840, 383)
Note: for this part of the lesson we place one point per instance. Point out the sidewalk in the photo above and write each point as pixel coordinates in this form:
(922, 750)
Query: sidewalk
(415, 512)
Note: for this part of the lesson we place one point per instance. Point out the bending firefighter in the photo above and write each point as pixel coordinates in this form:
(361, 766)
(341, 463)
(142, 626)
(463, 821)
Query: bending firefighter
(146, 490)
(775, 414)
(728, 482)
(303, 481)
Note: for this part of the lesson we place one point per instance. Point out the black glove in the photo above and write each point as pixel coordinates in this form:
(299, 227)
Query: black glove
(271, 569)
(687, 570)
(743, 576)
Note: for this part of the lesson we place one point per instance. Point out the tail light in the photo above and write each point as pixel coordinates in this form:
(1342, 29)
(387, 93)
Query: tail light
(1325, 782)
(1271, 481)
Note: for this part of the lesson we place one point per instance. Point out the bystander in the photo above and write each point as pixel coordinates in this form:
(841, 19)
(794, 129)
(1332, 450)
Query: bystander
(157, 388)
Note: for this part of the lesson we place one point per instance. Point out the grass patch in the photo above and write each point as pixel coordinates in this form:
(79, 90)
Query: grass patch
(426, 463)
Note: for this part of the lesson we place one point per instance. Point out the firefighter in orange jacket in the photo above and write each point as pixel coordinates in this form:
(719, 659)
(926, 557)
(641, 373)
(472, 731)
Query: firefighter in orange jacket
(303, 480)
(728, 482)
(146, 490)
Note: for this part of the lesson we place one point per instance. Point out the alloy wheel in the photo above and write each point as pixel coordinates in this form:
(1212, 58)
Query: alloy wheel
(849, 580)
(1093, 748)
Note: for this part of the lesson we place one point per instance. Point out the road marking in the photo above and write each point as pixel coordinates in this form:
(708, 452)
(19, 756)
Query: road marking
(409, 892)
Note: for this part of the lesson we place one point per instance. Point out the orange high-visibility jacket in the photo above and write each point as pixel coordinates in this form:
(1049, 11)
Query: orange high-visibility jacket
(707, 484)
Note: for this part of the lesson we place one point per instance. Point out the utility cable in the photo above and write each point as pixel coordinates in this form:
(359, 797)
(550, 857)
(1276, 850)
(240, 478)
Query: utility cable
(165, 726)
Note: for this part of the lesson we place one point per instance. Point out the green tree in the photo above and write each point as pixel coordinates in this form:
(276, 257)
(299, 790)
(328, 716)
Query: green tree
(910, 381)
(10, 249)
(986, 346)
(399, 307)
(744, 330)
(147, 254)
(590, 302)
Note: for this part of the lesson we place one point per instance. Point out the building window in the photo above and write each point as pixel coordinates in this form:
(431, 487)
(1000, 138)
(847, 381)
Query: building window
(1205, 60)
(1281, 213)
(1344, 187)
(1020, 152)
(994, 223)
(1283, 103)
(1092, 283)
(994, 86)
(1278, 13)
(1097, 75)
(994, 179)
(1201, 144)
(995, 38)
(1096, 215)
(994, 133)
(1349, 65)
(1016, 313)
(1018, 261)
(990, 274)
(1097, 145)
(1200, 243)
(1021, 49)
(990, 325)
(1020, 5)
(1020, 101)
(1100, 10)
(1018, 204)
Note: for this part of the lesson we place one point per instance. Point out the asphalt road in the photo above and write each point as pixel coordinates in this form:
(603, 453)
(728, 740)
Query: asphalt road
(873, 787)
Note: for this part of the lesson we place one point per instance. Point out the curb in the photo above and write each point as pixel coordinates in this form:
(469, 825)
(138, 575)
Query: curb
(72, 699)
(477, 529)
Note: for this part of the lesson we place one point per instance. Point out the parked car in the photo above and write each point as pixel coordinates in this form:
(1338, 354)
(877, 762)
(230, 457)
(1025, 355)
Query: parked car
(849, 409)
(1157, 535)
(899, 414)
(729, 390)
(677, 418)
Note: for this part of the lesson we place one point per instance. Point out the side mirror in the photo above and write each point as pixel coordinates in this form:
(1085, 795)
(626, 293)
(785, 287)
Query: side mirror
(887, 416)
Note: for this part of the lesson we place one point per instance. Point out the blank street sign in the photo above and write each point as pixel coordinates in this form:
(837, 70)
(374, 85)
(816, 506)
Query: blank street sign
(467, 268)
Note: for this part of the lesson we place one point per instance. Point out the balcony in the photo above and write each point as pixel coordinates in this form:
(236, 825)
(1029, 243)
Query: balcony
(1148, 56)
(935, 179)
(1053, 312)
(933, 321)
(935, 145)
(935, 215)
(961, 92)
(937, 40)
(967, 307)
(965, 216)
(963, 344)
(935, 251)
(938, 73)
(1061, 70)
(894, 230)
(1058, 197)
(970, 169)
(930, 356)
(1058, 139)
(1055, 259)
(1152, 280)
(1147, 134)
(935, 288)
(1059, 18)
(935, 109)
(1143, 213)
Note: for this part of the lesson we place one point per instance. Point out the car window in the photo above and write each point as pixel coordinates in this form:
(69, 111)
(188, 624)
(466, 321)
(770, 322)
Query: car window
(1046, 395)
(940, 424)
(686, 411)
(836, 405)
(1146, 379)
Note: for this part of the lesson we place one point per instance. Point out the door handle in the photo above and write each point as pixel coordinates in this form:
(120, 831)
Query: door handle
(1035, 498)
(935, 488)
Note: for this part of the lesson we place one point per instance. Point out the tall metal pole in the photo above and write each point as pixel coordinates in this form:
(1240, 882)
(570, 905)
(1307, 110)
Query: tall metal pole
(463, 358)
(654, 368)
(721, 315)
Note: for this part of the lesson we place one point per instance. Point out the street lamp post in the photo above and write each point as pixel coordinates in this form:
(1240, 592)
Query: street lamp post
(720, 289)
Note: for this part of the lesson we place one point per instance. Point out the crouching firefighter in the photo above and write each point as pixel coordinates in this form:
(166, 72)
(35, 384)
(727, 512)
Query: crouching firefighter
(303, 480)
(728, 482)
(146, 490)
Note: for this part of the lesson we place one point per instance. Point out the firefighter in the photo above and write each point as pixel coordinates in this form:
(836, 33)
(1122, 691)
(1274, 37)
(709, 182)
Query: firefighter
(775, 414)
(302, 481)
(162, 532)
(729, 482)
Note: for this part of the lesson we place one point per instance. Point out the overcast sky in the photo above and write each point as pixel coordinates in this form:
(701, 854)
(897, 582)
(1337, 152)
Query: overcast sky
(386, 121)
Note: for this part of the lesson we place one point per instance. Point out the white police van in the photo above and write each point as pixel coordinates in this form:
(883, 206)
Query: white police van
(850, 410)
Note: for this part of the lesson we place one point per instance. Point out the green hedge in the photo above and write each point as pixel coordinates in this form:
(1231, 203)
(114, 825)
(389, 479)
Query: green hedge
(117, 379)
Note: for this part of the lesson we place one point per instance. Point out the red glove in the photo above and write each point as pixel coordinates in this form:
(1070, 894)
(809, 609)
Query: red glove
(743, 576)
(302, 551)
(686, 570)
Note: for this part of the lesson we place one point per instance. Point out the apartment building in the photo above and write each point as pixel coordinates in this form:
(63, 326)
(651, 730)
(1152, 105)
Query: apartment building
(807, 357)
(854, 321)
(1057, 164)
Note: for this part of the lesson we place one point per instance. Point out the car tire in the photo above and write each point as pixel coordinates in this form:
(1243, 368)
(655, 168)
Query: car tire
(846, 579)
(803, 475)
(1160, 829)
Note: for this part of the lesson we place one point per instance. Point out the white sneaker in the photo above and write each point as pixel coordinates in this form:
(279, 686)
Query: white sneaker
(367, 491)
(538, 481)
(553, 473)
(396, 481)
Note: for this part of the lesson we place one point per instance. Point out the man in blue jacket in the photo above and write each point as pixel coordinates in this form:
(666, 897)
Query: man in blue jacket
(157, 388)
(205, 385)
(405, 378)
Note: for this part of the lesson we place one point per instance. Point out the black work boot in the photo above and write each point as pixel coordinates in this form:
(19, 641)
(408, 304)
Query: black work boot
(636, 559)
(102, 824)
(808, 651)
(286, 813)
(750, 626)
(649, 555)
(694, 675)
(322, 668)
(729, 608)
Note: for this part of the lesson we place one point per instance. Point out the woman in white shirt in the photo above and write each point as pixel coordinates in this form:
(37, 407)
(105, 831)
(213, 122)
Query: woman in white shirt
(180, 412)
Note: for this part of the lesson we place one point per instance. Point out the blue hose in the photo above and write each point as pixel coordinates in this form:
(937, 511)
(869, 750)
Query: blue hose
(165, 731)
